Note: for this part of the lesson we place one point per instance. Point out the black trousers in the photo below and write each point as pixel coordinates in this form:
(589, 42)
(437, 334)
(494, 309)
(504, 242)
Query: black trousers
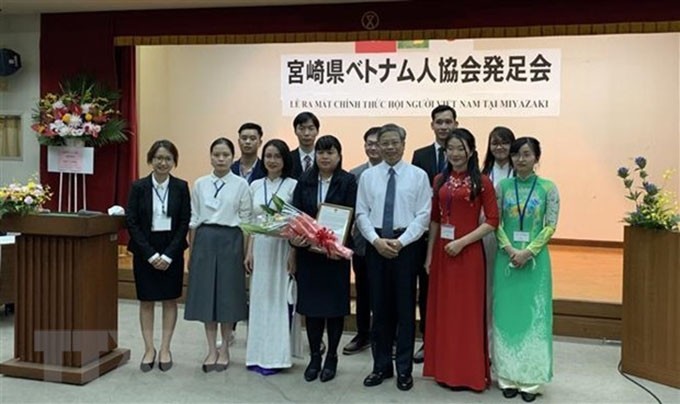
(363, 303)
(423, 281)
(392, 285)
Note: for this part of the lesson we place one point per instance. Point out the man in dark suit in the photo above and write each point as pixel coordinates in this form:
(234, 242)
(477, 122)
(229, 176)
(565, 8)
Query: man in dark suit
(363, 306)
(432, 159)
(306, 126)
(249, 140)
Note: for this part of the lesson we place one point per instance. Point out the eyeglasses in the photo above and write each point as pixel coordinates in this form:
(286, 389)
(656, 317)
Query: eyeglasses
(165, 159)
(393, 143)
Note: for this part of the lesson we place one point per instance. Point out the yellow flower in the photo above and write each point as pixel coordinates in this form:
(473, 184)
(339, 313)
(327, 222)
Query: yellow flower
(88, 117)
(66, 118)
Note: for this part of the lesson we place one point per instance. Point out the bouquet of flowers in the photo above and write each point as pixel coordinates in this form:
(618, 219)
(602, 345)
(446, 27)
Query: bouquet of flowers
(286, 221)
(23, 199)
(655, 208)
(83, 110)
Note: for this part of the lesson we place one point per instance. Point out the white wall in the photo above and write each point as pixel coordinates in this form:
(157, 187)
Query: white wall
(21, 33)
(619, 100)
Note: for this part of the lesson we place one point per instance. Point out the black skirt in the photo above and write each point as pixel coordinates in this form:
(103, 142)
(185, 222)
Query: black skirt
(155, 285)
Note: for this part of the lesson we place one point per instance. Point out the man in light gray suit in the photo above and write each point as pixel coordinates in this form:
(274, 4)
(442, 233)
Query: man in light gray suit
(362, 340)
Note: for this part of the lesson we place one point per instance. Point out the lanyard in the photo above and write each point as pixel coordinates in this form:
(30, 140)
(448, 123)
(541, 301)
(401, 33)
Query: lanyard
(523, 211)
(218, 189)
(267, 202)
(165, 196)
(449, 201)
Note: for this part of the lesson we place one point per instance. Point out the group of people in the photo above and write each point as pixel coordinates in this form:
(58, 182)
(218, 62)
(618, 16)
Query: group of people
(467, 243)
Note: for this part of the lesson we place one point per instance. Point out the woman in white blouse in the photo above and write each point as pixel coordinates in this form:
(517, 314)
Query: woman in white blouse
(216, 293)
(497, 166)
(269, 260)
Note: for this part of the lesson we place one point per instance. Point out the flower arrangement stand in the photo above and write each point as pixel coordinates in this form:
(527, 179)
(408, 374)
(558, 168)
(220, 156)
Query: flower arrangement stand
(651, 305)
(66, 322)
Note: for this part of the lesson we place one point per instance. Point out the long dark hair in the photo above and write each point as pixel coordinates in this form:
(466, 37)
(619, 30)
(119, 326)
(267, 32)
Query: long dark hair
(465, 136)
(284, 151)
(503, 134)
(533, 143)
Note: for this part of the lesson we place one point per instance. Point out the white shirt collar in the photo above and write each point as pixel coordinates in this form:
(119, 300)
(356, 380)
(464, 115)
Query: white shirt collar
(160, 185)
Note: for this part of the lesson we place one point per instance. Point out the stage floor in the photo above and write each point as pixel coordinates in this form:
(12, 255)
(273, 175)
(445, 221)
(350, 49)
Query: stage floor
(587, 273)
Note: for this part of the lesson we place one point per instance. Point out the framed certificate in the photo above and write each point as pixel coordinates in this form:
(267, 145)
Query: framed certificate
(337, 218)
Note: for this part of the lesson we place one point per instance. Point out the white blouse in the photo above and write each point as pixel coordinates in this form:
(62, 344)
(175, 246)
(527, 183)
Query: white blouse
(264, 189)
(225, 201)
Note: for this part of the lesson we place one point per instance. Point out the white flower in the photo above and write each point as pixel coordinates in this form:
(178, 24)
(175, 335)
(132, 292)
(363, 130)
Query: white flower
(56, 125)
(75, 121)
(58, 105)
(86, 108)
(64, 131)
(28, 200)
(77, 132)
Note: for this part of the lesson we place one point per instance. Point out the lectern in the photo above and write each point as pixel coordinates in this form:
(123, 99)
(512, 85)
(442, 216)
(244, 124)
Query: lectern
(66, 321)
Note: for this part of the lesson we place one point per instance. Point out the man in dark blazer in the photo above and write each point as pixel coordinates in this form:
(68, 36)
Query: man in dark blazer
(432, 159)
(248, 165)
(362, 340)
(306, 126)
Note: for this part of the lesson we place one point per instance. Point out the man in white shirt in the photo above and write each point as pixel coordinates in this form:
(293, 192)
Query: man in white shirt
(306, 126)
(392, 213)
(432, 159)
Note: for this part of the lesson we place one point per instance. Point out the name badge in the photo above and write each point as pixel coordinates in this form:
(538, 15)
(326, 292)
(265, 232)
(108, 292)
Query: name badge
(447, 232)
(520, 236)
(213, 203)
(162, 223)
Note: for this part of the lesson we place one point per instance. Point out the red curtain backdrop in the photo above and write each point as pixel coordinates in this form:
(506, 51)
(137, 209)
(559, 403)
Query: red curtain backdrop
(77, 43)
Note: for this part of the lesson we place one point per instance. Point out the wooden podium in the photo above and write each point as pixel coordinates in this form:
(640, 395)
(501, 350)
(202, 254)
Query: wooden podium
(650, 342)
(66, 321)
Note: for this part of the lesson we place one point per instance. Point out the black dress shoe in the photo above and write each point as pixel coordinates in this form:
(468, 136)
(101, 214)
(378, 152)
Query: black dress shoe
(329, 368)
(404, 382)
(314, 367)
(376, 378)
(147, 366)
(419, 356)
(510, 393)
(528, 397)
(356, 345)
(165, 366)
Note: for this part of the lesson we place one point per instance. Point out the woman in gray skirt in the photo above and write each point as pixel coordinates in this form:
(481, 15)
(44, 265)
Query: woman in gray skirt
(217, 287)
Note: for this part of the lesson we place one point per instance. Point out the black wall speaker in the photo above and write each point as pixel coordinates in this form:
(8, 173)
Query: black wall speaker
(10, 62)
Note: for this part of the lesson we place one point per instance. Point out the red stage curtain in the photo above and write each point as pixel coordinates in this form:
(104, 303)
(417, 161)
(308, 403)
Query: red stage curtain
(74, 44)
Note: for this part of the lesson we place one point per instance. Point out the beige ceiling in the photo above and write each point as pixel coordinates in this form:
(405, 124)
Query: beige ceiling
(61, 6)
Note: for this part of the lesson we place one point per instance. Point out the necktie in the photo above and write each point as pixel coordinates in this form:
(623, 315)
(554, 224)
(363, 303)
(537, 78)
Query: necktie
(441, 159)
(388, 210)
(308, 163)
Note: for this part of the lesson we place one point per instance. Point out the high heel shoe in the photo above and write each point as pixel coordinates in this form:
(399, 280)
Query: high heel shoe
(147, 366)
(329, 368)
(221, 367)
(314, 367)
(209, 367)
(165, 366)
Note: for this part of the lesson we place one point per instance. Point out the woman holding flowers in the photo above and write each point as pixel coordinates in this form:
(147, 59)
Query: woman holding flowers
(522, 286)
(216, 293)
(269, 260)
(158, 216)
(323, 280)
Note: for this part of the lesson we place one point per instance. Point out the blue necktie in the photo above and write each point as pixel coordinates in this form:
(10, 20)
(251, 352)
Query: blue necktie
(388, 210)
(441, 159)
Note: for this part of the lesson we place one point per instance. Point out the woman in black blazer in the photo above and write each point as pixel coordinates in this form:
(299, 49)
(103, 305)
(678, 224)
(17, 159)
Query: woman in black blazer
(158, 214)
(323, 281)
